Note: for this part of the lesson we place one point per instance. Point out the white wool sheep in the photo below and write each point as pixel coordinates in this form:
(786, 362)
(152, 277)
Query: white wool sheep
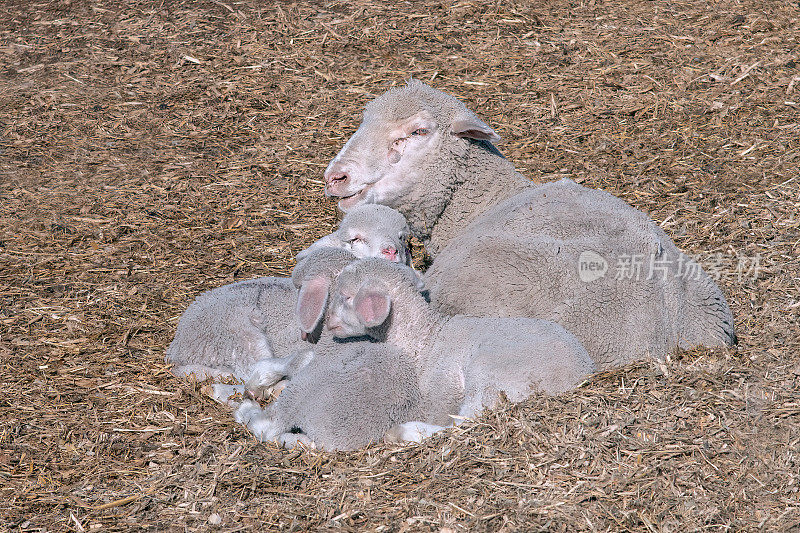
(345, 398)
(462, 363)
(504, 246)
(339, 396)
(227, 330)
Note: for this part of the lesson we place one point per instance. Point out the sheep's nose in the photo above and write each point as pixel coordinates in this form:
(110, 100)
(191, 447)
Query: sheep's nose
(335, 177)
(390, 253)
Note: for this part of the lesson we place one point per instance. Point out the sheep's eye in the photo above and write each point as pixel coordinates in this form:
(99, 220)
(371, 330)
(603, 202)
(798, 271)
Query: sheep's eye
(420, 131)
(357, 238)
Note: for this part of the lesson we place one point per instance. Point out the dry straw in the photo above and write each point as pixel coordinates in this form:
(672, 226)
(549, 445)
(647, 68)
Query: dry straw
(152, 150)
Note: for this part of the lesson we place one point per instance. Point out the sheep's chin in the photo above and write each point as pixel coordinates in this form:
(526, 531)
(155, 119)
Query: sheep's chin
(336, 331)
(354, 199)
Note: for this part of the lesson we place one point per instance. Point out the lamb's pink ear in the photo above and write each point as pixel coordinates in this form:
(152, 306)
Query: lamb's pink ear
(311, 303)
(372, 306)
(471, 127)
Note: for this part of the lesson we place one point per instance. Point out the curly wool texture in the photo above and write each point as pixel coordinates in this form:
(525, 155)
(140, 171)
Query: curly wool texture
(226, 330)
(462, 363)
(652, 298)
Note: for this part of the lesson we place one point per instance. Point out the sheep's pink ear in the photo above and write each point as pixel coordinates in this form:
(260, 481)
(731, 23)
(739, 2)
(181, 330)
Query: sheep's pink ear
(311, 302)
(372, 306)
(471, 127)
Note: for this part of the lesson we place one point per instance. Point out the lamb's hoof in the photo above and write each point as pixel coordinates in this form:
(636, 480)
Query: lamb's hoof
(296, 440)
(260, 394)
(278, 388)
(252, 394)
(247, 411)
(266, 373)
(411, 432)
(222, 393)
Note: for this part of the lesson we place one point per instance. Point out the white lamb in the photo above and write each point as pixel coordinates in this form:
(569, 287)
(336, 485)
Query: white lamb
(348, 396)
(228, 330)
(249, 329)
(340, 396)
(504, 246)
(461, 363)
(370, 230)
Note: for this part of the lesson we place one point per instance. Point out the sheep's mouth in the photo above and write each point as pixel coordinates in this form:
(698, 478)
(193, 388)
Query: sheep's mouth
(346, 202)
(336, 331)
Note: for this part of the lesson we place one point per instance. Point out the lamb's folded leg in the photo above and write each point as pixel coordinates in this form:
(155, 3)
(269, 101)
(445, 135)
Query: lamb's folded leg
(267, 372)
(411, 432)
(258, 421)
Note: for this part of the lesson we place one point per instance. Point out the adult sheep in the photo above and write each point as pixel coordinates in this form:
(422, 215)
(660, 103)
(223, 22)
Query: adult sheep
(578, 256)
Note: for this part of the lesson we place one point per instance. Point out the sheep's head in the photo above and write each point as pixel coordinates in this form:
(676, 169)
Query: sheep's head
(361, 298)
(313, 277)
(369, 231)
(402, 131)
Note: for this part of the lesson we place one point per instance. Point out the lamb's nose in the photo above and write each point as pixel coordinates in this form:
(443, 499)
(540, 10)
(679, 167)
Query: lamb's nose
(390, 253)
(332, 323)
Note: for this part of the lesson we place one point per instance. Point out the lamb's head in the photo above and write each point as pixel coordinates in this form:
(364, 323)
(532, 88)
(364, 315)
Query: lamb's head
(361, 298)
(403, 131)
(313, 276)
(369, 231)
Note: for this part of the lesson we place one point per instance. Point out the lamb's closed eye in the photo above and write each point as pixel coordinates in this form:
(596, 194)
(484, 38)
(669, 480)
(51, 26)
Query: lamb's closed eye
(369, 231)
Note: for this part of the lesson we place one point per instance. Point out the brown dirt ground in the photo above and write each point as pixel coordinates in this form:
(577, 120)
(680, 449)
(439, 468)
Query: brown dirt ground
(152, 150)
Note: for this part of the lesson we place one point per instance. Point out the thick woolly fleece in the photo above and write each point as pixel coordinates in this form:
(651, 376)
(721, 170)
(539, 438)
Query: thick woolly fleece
(651, 298)
(503, 246)
(462, 364)
(226, 330)
(344, 399)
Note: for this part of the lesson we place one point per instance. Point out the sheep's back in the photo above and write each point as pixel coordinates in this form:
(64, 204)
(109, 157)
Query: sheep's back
(532, 255)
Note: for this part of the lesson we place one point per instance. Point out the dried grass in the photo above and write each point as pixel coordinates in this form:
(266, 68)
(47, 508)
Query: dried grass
(149, 151)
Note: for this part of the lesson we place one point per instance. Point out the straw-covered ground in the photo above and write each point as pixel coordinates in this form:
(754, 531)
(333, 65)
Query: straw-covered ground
(152, 150)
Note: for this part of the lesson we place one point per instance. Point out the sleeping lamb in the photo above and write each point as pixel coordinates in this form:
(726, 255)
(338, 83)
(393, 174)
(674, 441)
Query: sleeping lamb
(247, 330)
(371, 230)
(504, 246)
(341, 395)
(226, 330)
(462, 363)
(343, 399)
